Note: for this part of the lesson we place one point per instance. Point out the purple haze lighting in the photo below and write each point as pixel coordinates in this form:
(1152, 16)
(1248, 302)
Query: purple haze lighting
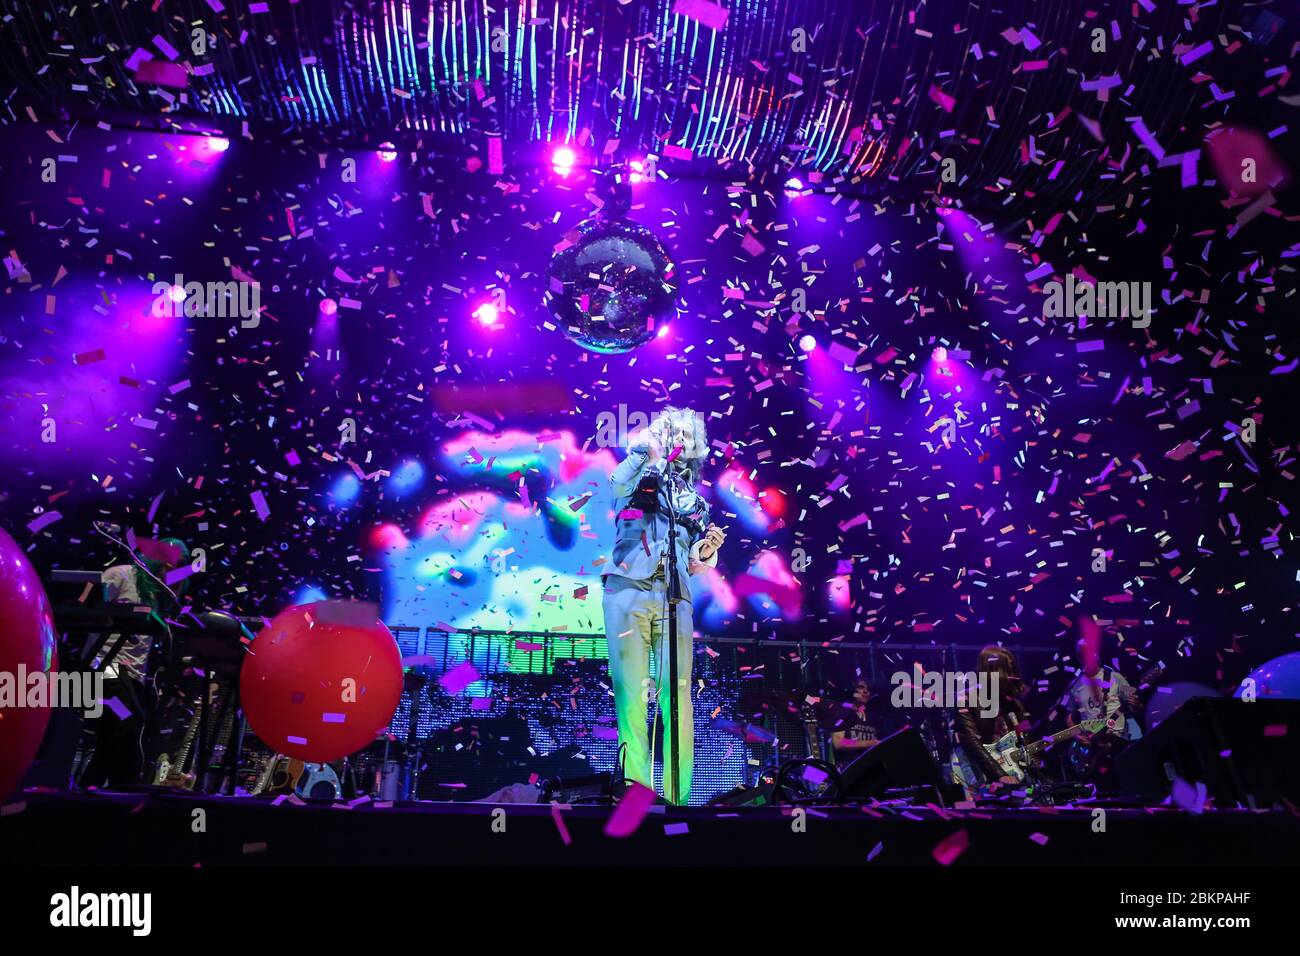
(487, 314)
(940, 354)
(387, 152)
(563, 159)
(807, 343)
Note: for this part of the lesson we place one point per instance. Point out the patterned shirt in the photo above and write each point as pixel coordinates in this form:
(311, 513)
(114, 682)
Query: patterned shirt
(121, 586)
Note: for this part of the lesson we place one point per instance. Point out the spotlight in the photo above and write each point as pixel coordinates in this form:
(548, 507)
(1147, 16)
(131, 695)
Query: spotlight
(218, 144)
(793, 186)
(487, 314)
(328, 306)
(638, 168)
(176, 293)
(387, 152)
(663, 331)
(563, 159)
(940, 354)
(807, 343)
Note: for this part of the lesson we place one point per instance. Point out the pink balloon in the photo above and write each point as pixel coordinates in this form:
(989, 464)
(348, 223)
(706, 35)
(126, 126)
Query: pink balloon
(27, 646)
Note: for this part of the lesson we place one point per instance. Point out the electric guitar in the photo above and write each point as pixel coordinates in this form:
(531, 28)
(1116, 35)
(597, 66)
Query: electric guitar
(169, 772)
(1014, 759)
(1087, 757)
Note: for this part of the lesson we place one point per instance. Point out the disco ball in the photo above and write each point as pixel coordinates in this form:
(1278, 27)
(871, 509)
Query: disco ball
(612, 286)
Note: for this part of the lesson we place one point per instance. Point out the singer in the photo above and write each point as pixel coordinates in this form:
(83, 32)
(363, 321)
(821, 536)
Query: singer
(654, 487)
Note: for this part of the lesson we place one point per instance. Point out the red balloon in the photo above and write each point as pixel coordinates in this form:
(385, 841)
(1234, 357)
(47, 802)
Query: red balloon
(321, 680)
(26, 647)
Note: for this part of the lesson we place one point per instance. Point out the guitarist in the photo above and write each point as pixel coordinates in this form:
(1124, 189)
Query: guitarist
(975, 728)
(1101, 693)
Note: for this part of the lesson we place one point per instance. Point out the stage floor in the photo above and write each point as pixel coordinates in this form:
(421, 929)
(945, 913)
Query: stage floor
(59, 828)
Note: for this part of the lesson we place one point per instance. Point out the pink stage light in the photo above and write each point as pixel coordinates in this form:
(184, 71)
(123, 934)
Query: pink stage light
(487, 314)
(176, 293)
(940, 354)
(638, 171)
(218, 144)
(328, 306)
(387, 152)
(563, 159)
(807, 343)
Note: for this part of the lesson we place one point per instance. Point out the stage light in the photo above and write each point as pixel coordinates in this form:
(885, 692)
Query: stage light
(638, 168)
(487, 314)
(218, 144)
(940, 354)
(663, 331)
(563, 159)
(328, 306)
(176, 293)
(387, 152)
(807, 343)
(793, 186)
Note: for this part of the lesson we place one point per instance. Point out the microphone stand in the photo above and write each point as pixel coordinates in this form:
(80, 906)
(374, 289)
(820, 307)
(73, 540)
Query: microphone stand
(674, 598)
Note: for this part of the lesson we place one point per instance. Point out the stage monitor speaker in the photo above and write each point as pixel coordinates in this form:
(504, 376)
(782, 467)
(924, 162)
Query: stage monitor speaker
(1245, 752)
(900, 761)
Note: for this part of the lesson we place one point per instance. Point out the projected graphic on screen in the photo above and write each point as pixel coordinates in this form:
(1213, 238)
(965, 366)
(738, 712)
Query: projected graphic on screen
(512, 533)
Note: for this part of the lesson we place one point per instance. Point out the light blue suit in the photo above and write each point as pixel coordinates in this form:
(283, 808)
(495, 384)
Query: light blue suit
(636, 616)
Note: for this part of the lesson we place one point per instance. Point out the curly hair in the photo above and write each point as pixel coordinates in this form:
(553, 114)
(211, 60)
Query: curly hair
(696, 449)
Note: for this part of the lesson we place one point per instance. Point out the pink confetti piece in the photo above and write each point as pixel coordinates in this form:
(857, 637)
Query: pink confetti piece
(496, 160)
(1039, 838)
(459, 677)
(945, 101)
(710, 15)
(159, 73)
(629, 813)
(948, 849)
(560, 825)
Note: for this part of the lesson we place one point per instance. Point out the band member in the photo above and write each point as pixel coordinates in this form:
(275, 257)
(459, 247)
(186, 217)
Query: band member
(1100, 693)
(119, 757)
(854, 731)
(978, 726)
(658, 478)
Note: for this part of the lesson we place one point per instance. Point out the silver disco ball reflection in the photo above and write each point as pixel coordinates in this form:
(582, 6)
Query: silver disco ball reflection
(613, 287)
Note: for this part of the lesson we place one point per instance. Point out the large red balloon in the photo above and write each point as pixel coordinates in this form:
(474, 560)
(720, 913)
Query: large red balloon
(319, 683)
(26, 647)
